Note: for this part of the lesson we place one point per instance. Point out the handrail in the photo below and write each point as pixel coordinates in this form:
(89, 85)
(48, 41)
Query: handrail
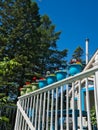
(62, 82)
(41, 102)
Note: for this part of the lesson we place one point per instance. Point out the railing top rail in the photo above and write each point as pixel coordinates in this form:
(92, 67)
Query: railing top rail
(67, 80)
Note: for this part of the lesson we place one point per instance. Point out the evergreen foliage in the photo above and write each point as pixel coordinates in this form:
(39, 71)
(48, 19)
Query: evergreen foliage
(78, 54)
(27, 41)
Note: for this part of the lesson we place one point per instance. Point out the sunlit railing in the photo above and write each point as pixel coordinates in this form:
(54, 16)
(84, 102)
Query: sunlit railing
(59, 106)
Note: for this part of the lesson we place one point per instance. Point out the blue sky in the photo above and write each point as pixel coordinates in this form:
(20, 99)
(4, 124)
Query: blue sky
(77, 19)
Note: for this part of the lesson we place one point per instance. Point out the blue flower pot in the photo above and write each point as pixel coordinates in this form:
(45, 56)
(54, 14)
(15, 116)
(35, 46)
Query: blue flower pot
(51, 79)
(60, 75)
(42, 83)
(74, 69)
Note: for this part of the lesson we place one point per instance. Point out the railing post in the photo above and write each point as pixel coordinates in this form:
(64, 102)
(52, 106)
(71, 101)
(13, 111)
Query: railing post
(96, 87)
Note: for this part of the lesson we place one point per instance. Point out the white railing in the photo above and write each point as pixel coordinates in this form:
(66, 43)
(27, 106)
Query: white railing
(54, 107)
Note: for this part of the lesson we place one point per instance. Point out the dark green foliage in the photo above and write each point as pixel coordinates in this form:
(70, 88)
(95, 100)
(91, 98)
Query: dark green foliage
(7, 116)
(78, 54)
(50, 58)
(28, 42)
(93, 116)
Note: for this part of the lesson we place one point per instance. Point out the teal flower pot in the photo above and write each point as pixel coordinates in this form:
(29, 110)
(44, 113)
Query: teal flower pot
(51, 79)
(61, 74)
(74, 69)
(42, 83)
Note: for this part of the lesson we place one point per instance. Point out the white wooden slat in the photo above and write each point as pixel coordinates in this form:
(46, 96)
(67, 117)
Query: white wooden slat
(28, 109)
(47, 117)
(88, 105)
(24, 105)
(96, 98)
(80, 107)
(25, 117)
(25, 108)
(43, 116)
(21, 117)
(67, 107)
(40, 110)
(20, 120)
(33, 116)
(36, 112)
(61, 117)
(17, 120)
(31, 110)
(51, 122)
(73, 106)
(56, 111)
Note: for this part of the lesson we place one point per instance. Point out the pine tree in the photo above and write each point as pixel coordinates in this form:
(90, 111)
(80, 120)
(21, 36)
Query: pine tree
(29, 39)
(78, 54)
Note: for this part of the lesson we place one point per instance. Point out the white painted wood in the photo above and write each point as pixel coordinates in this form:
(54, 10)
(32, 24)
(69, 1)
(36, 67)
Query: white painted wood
(56, 111)
(67, 107)
(96, 98)
(73, 107)
(25, 117)
(51, 122)
(43, 116)
(61, 118)
(27, 124)
(80, 106)
(88, 105)
(25, 109)
(17, 120)
(33, 109)
(40, 109)
(36, 112)
(47, 117)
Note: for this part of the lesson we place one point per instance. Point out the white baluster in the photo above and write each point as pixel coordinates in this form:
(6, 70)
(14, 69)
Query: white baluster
(96, 87)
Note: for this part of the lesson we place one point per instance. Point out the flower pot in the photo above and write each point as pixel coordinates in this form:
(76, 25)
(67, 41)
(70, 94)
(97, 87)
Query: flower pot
(34, 86)
(74, 69)
(31, 87)
(23, 91)
(28, 90)
(42, 83)
(51, 79)
(61, 74)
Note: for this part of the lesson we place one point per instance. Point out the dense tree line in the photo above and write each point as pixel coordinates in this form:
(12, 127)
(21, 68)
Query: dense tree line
(27, 39)
(28, 43)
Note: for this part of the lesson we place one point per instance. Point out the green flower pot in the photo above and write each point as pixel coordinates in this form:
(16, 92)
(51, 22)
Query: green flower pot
(34, 86)
(23, 91)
